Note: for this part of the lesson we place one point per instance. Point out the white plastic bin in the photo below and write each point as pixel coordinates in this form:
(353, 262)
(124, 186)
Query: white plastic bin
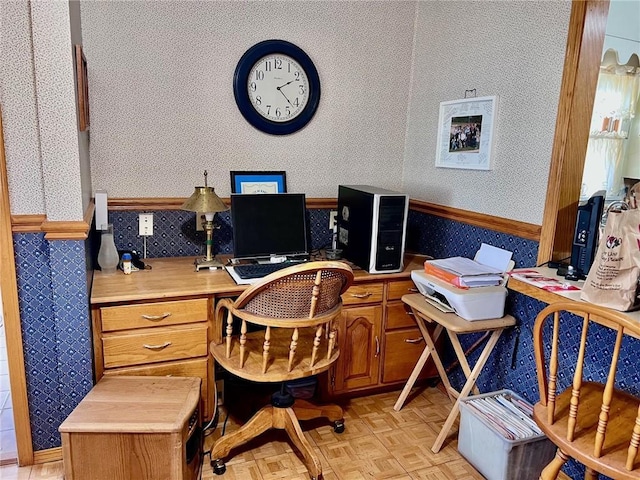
(495, 456)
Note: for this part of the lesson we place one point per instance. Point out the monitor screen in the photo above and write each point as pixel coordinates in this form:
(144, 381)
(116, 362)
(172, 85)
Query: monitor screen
(269, 224)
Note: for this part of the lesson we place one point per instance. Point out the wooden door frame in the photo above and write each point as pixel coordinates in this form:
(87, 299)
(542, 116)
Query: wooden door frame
(11, 311)
(585, 40)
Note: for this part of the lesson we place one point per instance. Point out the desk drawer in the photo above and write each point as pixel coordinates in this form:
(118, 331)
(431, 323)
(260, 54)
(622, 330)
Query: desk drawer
(401, 352)
(399, 315)
(363, 293)
(153, 314)
(151, 345)
(398, 289)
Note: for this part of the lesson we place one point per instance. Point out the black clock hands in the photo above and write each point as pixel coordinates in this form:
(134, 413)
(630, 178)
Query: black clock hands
(290, 81)
(285, 97)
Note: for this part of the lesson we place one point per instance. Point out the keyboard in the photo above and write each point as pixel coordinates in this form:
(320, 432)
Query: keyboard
(259, 270)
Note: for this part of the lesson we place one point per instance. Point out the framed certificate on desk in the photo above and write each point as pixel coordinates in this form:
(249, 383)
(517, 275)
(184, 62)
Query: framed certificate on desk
(258, 182)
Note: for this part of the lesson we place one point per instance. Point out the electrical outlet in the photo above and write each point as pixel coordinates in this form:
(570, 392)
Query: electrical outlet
(333, 218)
(145, 224)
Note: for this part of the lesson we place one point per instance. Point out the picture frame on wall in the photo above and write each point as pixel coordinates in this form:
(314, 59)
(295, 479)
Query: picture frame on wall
(82, 88)
(465, 133)
(258, 182)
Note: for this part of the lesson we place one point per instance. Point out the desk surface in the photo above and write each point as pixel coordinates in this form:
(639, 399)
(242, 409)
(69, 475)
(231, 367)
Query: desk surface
(176, 277)
(554, 297)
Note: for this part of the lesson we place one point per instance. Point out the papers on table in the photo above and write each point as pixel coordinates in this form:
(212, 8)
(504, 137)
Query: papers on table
(485, 270)
(545, 282)
(507, 414)
(463, 272)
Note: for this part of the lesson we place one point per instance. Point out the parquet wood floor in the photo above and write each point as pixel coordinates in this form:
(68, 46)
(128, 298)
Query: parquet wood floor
(378, 443)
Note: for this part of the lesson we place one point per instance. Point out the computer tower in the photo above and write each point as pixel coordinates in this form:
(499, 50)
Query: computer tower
(586, 235)
(372, 226)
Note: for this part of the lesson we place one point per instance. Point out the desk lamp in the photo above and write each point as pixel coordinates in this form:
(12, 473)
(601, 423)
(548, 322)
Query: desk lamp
(204, 200)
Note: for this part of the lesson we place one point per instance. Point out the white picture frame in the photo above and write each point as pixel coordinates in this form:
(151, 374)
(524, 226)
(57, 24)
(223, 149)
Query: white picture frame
(465, 133)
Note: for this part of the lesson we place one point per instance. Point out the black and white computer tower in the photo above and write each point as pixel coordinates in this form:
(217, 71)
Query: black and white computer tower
(372, 226)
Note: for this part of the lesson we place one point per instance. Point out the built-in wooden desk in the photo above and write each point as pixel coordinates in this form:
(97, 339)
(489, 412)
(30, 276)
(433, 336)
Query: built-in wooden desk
(558, 296)
(160, 322)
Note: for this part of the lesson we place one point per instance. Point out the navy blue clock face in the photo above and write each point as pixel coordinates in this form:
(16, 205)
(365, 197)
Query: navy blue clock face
(276, 87)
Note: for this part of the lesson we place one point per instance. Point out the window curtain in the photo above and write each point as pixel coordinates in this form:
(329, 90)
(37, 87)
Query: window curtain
(614, 109)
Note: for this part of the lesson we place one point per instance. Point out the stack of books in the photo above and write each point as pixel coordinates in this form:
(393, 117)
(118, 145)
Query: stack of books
(464, 272)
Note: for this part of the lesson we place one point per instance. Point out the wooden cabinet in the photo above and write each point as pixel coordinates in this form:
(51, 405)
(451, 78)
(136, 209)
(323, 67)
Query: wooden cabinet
(135, 428)
(169, 338)
(359, 340)
(379, 340)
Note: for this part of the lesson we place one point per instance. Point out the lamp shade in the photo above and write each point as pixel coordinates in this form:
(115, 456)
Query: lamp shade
(204, 200)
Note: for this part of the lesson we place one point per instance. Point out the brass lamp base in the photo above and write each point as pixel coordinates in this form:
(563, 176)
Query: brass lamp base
(212, 264)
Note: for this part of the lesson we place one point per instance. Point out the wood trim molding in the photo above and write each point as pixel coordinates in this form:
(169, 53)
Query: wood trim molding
(27, 223)
(133, 204)
(585, 39)
(175, 203)
(48, 455)
(504, 225)
(66, 230)
(11, 313)
(529, 231)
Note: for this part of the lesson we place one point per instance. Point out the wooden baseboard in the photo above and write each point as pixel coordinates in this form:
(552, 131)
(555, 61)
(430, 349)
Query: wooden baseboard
(49, 455)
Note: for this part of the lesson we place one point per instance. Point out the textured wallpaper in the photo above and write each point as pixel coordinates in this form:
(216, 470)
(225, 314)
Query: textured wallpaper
(57, 120)
(514, 50)
(163, 110)
(19, 113)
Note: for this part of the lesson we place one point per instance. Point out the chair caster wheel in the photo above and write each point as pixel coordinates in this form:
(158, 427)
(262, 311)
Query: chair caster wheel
(338, 426)
(218, 466)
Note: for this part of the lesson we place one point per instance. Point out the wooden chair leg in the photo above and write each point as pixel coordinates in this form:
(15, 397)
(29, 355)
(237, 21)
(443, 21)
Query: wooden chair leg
(590, 474)
(259, 423)
(551, 471)
(285, 418)
(307, 411)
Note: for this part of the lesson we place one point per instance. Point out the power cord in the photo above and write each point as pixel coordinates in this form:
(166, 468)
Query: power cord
(555, 263)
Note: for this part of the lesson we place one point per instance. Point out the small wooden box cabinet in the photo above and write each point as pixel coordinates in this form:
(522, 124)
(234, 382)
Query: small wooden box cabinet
(143, 428)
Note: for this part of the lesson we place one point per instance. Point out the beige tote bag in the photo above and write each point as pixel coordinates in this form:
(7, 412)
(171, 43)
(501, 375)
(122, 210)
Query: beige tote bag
(612, 280)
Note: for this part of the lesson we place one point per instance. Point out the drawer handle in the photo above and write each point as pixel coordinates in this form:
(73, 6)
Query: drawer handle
(414, 290)
(377, 346)
(156, 347)
(362, 295)
(157, 317)
(413, 340)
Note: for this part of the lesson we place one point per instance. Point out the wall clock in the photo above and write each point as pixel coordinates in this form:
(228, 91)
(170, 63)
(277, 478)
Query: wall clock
(277, 87)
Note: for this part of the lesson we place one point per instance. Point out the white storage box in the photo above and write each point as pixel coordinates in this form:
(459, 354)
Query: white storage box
(494, 455)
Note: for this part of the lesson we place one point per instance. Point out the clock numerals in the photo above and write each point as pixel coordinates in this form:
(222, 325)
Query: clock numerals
(278, 88)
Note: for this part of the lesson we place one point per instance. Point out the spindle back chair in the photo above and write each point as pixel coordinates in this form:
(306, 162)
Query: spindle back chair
(288, 326)
(593, 422)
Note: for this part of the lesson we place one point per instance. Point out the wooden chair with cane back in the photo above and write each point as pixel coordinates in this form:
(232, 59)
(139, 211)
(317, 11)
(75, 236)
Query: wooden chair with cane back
(595, 423)
(297, 310)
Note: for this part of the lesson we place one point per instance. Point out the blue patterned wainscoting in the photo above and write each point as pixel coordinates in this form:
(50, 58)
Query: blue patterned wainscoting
(175, 233)
(56, 334)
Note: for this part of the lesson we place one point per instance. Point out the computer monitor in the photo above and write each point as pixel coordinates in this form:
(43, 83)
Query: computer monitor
(266, 225)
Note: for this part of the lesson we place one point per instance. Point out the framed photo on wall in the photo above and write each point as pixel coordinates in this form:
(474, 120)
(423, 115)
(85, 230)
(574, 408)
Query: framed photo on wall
(258, 182)
(465, 133)
(83, 88)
